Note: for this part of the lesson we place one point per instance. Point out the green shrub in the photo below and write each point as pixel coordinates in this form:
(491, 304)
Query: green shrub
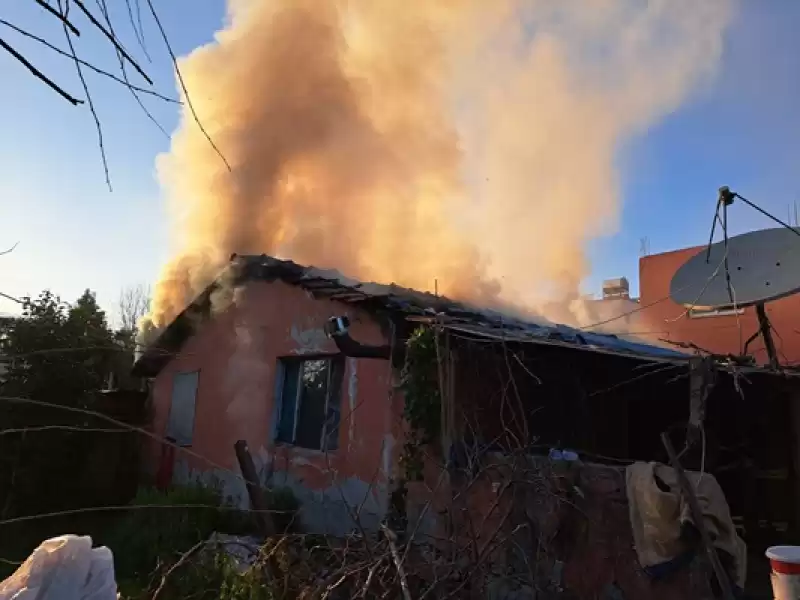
(148, 537)
(219, 573)
(148, 541)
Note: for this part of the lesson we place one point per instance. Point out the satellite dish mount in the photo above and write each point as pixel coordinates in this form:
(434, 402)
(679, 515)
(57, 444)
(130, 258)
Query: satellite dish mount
(747, 270)
(765, 331)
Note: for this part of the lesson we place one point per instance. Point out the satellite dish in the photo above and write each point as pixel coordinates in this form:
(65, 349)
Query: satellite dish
(763, 266)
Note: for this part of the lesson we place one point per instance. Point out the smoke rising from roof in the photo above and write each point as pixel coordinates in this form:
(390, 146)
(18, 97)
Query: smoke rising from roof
(467, 142)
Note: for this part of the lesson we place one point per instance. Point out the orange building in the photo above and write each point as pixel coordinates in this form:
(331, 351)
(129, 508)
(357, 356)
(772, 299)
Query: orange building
(722, 331)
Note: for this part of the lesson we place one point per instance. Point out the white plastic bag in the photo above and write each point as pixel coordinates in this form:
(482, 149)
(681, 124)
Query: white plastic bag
(63, 568)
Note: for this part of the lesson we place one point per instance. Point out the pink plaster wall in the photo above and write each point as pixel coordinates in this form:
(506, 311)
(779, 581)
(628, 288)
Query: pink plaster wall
(236, 353)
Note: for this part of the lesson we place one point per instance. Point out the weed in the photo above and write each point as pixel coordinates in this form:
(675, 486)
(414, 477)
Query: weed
(212, 576)
(149, 537)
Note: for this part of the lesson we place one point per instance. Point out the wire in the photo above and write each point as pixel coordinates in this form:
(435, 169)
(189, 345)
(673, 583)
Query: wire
(731, 289)
(702, 453)
(68, 349)
(145, 432)
(641, 308)
(736, 314)
(62, 428)
(766, 214)
(702, 291)
(783, 354)
(667, 297)
(654, 331)
(625, 314)
(634, 379)
(87, 509)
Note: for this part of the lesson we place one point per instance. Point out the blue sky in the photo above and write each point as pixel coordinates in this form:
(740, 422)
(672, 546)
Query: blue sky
(73, 234)
(744, 132)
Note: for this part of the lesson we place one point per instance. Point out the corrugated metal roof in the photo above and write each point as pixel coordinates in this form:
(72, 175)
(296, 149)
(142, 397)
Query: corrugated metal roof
(472, 319)
(564, 335)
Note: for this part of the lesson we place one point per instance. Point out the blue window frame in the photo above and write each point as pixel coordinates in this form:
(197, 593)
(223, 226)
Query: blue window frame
(309, 402)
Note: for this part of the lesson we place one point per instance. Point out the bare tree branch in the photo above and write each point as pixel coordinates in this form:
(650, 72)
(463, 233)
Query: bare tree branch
(86, 64)
(137, 31)
(12, 298)
(10, 250)
(38, 74)
(391, 537)
(104, 10)
(186, 556)
(61, 10)
(62, 17)
(91, 104)
(112, 39)
(141, 27)
(183, 84)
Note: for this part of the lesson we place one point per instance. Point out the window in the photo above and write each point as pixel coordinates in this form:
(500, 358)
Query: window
(309, 402)
(180, 426)
(699, 313)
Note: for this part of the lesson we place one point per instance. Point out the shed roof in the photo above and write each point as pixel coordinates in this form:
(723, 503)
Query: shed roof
(401, 301)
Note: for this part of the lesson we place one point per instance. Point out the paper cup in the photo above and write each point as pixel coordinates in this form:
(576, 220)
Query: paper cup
(785, 576)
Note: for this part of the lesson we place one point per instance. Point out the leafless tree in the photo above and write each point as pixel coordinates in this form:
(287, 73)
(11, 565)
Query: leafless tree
(133, 304)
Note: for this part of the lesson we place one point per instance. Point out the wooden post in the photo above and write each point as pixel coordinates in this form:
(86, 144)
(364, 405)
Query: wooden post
(257, 501)
(697, 515)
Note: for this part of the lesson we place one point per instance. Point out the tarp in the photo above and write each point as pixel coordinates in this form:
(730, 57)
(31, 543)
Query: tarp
(659, 513)
(63, 568)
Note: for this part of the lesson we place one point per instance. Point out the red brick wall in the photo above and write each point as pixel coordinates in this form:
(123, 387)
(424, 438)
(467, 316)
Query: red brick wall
(720, 334)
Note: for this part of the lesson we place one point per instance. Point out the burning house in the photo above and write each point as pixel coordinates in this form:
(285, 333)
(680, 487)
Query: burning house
(375, 402)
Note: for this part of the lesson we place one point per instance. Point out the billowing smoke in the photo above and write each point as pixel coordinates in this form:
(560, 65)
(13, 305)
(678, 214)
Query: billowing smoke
(467, 142)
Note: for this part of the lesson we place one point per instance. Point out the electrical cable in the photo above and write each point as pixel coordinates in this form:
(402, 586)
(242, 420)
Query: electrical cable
(723, 190)
(641, 308)
(764, 212)
(702, 291)
(783, 354)
(731, 290)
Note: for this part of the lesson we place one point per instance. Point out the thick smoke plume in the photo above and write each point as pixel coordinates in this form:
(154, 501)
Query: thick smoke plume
(467, 142)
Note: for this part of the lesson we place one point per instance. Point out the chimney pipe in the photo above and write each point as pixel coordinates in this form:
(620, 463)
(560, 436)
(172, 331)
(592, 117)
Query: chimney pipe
(337, 328)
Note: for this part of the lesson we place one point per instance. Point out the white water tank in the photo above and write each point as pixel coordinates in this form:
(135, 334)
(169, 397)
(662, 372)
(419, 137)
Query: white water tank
(616, 288)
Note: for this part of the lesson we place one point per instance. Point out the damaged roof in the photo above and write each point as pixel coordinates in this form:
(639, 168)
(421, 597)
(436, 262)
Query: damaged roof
(403, 302)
